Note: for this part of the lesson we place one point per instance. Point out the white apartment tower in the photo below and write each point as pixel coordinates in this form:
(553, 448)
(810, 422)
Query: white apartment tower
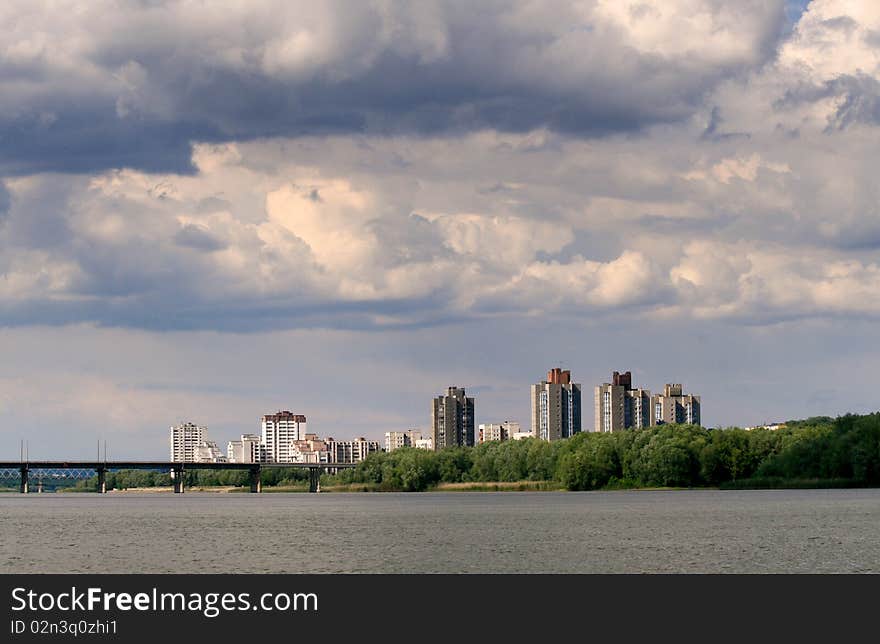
(279, 431)
(185, 439)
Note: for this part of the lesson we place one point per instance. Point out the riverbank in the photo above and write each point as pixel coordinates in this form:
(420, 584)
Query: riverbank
(219, 489)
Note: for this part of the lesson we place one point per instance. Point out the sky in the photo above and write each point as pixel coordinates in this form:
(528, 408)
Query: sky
(343, 208)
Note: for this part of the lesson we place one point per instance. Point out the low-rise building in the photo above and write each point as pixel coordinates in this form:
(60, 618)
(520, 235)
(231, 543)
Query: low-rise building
(248, 449)
(208, 452)
(396, 440)
(771, 426)
(310, 449)
(424, 443)
(499, 431)
(352, 451)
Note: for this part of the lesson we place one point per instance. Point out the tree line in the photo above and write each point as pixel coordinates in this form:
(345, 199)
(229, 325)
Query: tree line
(819, 451)
(816, 452)
(127, 479)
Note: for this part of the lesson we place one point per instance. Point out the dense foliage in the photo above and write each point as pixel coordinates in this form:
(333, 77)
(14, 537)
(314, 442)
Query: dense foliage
(838, 451)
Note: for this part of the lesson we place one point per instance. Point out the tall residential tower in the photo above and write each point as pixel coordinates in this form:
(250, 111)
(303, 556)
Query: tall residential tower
(556, 406)
(184, 440)
(279, 431)
(452, 419)
(675, 406)
(619, 406)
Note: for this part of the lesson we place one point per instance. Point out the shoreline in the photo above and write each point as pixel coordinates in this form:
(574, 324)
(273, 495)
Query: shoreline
(470, 486)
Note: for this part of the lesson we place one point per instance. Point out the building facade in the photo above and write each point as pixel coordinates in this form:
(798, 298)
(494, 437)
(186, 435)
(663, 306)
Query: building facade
(556, 406)
(619, 406)
(248, 449)
(310, 449)
(184, 440)
(452, 419)
(280, 430)
(675, 406)
(353, 451)
(498, 431)
(396, 440)
(208, 452)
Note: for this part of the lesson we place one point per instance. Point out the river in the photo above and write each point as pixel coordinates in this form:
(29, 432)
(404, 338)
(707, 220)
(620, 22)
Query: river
(690, 531)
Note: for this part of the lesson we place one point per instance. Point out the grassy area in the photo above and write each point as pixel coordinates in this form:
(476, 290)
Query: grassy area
(282, 488)
(354, 487)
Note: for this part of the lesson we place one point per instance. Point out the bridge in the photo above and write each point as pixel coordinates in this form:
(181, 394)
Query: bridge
(177, 470)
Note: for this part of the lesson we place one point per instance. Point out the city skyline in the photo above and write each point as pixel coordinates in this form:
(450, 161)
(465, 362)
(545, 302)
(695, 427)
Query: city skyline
(343, 208)
(556, 413)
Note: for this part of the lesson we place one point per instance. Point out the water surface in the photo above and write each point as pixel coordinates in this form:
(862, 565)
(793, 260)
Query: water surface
(694, 531)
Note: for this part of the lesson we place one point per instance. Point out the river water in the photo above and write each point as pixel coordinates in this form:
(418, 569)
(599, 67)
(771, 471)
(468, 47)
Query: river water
(693, 531)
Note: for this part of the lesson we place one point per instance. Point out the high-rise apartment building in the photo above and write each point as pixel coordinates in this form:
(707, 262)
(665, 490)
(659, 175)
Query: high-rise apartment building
(184, 440)
(675, 406)
(452, 419)
(556, 406)
(498, 431)
(279, 431)
(396, 440)
(619, 406)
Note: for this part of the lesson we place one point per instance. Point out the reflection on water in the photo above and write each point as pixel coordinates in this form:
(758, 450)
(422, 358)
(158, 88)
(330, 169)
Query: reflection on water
(523, 532)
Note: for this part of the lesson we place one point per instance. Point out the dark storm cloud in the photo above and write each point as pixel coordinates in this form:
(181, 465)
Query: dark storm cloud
(858, 94)
(178, 310)
(147, 80)
(84, 141)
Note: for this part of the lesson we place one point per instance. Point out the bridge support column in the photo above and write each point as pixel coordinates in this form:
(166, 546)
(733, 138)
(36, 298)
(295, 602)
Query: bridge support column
(314, 479)
(177, 479)
(102, 480)
(23, 488)
(255, 479)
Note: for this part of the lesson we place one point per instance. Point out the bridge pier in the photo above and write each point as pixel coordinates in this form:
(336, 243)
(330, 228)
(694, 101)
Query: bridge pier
(23, 488)
(314, 479)
(256, 480)
(102, 480)
(177, 479)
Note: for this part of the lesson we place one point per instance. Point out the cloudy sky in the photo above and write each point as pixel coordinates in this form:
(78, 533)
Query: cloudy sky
(342, 208)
